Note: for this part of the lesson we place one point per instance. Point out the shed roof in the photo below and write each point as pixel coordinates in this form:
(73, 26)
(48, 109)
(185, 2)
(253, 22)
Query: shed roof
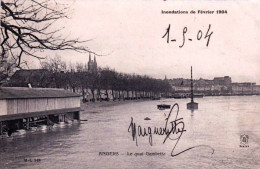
(26, 93)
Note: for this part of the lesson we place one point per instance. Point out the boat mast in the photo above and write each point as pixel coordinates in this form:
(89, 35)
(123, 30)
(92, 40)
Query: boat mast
(192, 105)
(191, 85)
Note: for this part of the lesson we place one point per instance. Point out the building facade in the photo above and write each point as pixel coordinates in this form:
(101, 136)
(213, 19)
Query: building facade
(217, 86)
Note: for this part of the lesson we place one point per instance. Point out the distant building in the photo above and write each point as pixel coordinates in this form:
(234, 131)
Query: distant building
(217, 86)
(245, 84)
(35, 77)
(180, 82)
(203, 83)
(92, 65)
(245, 88)
(225, 81)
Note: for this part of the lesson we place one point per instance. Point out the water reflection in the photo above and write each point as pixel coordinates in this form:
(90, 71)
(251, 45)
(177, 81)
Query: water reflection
(192, 113)
(218, 123)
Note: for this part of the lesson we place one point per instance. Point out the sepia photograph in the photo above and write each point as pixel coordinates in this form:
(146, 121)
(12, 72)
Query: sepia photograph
(140, 84)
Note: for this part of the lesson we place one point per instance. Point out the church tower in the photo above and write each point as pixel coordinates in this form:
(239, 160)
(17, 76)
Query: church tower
(92, 64)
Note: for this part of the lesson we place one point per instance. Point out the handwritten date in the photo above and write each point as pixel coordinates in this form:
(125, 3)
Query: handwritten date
(200, 36)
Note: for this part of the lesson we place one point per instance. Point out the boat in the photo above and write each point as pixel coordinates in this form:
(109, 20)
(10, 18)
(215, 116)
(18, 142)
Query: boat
(156, 98)
(179, 96)
(163, 106)
(198, 96)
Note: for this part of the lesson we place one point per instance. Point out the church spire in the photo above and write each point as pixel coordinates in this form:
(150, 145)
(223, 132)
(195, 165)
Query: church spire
(89, 60)
(95, 59)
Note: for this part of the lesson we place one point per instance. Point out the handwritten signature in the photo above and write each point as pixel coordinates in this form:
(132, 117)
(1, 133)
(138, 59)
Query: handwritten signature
(172, 130)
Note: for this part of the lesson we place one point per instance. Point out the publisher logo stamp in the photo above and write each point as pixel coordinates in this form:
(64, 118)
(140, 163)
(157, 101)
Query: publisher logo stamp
(244, 140)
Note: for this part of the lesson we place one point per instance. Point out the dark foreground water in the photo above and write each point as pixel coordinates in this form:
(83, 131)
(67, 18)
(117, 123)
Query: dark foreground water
(218, 124)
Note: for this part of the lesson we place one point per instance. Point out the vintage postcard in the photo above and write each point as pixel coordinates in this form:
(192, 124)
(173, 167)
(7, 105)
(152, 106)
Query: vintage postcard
(130, 84)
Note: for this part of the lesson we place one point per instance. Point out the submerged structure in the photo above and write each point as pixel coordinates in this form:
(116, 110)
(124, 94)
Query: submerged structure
(22, 108)
(192, 105)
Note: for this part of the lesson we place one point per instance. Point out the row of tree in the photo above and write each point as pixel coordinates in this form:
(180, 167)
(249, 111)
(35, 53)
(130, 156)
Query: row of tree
(58, 74)
(31, 27)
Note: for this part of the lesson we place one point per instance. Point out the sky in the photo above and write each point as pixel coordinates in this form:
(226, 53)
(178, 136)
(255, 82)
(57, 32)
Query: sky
(128, 35)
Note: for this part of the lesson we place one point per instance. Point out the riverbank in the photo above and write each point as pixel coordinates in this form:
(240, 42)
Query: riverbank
(92, 107)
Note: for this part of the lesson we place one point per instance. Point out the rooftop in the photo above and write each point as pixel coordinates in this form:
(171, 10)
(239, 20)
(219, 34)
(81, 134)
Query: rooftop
(26, 93)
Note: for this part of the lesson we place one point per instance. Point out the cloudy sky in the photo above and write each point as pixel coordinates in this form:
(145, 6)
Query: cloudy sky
(129, 35)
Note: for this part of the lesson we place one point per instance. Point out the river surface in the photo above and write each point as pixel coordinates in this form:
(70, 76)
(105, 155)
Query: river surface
(218, 125)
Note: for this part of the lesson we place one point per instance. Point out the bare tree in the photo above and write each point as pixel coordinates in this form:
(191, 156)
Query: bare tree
(57, 67)
(6, 68)
(54, 64)
(27, 28)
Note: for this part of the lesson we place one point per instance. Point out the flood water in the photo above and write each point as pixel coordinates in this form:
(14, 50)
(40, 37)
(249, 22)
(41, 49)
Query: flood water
(218, 125)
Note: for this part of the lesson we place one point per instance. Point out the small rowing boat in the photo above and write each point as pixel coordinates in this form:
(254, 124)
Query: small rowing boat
(163, 106)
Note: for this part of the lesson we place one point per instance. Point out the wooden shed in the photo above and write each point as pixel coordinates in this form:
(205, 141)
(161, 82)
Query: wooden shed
(18, 103)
